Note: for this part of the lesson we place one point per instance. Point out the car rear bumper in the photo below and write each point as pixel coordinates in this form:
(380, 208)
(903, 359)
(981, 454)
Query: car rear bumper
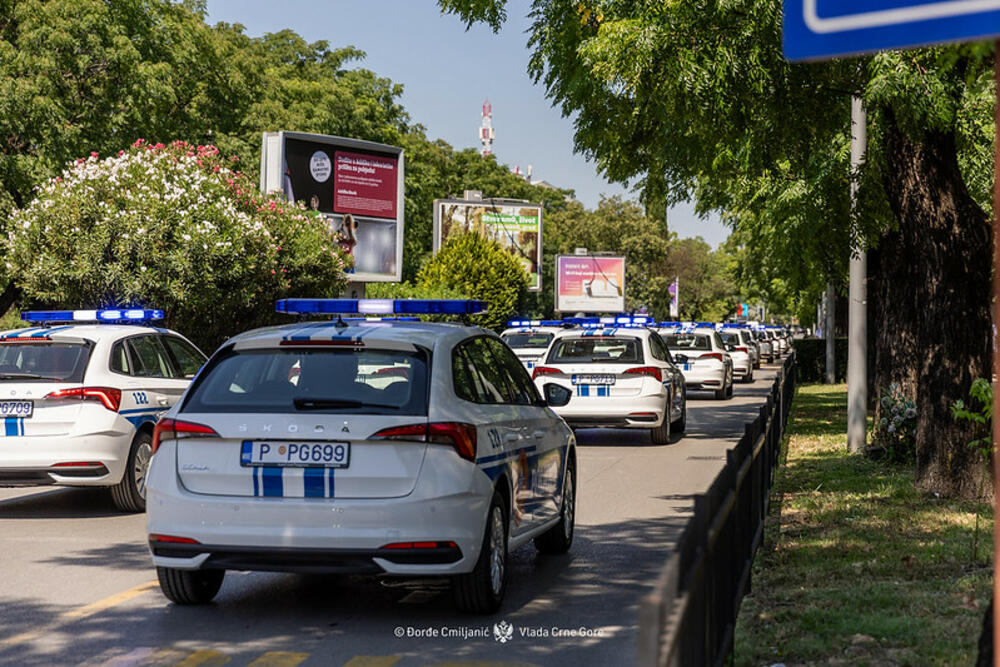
(318, 534)
(704, 379)
(604, 412)
(34, 460)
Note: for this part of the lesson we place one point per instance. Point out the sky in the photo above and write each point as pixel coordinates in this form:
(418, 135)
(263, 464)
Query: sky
(447, 73)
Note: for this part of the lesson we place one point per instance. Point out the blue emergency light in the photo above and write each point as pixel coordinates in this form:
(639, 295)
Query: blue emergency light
(380, 306)
(381, 319)
(106, 315)
(535, 323)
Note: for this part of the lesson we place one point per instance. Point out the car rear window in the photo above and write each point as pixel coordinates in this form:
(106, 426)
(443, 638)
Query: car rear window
(43, 361)
(688, 342)
(519, 340)
(369, 381)
(596, 350)
(731, 338)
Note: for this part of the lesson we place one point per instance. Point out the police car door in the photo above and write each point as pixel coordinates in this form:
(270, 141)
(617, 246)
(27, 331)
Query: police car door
(501, 427)
(154, 387)
(542, 452)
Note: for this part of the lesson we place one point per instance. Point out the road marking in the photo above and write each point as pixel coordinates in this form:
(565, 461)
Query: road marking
(77, 614)
(279, 659)
(204, 658)
(373, 661)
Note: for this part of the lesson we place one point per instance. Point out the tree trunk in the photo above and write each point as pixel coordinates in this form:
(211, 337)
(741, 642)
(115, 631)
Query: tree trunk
(932, 292)
(9, 297)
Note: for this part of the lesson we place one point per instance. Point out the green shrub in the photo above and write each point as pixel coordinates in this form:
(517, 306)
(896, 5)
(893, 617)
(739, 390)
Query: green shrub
(810, 359)
(480, 268)
(175, 227)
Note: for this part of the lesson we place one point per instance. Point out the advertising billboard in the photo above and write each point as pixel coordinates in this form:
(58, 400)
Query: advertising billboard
(517, 226)
(590, 284)
(356, 185)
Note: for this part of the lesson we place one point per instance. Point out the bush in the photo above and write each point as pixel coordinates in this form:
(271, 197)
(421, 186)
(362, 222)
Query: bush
(810, 359)
(895, 425)
(174, 227)
(479, 267)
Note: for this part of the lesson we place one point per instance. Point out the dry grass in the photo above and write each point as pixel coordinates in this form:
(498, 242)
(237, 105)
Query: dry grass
(858, 567)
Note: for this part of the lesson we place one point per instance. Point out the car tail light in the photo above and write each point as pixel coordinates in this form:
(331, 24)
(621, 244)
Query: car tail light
(173, 429)
(712, 355)
(742, 349)
(420, 545)
(78, 464)
(173, 539)
(111, 398)
(544, 370)
(651, 371)
(457, 434)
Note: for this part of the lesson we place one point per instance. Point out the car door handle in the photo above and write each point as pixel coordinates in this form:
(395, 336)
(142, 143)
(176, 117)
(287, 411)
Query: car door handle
(539, 434)
(512, 437)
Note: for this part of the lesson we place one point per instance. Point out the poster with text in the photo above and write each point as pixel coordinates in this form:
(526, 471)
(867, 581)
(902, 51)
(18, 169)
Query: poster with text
(589, 284)
(517, 227)
(356, 185)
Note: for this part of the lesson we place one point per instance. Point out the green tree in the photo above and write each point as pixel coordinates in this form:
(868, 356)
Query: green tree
(706, 290)
(480, 268)
(176, 228)
(693, 98)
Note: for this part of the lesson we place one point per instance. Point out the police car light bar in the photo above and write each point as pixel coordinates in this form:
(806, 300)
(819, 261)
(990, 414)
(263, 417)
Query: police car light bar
(535, 323)
(113, 315)
(380, 306)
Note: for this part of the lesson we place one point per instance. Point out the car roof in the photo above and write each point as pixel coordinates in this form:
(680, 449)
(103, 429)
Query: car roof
(93, 332)
(603, 331)
(385, 333)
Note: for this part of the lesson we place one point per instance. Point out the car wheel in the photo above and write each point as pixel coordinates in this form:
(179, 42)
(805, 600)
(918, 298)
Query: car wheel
(189, 586)
(661, 434)
(749, 378)
(129, 495)
(681, 424)
(729, 389)
(558, 538)
(481, 591)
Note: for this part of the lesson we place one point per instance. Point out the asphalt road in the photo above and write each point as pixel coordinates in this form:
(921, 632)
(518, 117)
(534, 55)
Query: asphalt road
(77, 585)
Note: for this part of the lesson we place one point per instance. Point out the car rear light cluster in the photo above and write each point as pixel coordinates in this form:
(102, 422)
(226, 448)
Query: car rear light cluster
(545, 370)
(742, 349)
(712, 355)
(459, 435)
(110, 398)
(651, 371)
(174, 429)
(171, 539)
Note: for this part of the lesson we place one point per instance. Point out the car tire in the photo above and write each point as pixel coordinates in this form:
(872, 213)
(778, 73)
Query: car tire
(749, 378)
(481, 591)
(680, 425)
(661, 434)
(129, 495)
(559, 538)
(729, 389)
(189, 587)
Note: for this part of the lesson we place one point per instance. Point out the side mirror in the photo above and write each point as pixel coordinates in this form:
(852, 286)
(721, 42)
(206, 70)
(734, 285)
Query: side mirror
(556, 395)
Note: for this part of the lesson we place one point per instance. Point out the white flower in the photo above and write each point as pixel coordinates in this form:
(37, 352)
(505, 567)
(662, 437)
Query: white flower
(892, 429)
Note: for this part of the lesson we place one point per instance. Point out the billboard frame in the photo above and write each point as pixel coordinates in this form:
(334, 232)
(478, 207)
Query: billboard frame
(592, 256)
(272, 157)
(492, 203)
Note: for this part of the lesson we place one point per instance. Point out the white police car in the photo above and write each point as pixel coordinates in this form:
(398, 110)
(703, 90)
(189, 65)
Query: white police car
(701, 355)
(740, 350)
(621, 376)
(79, 400)
(530, 339)
(292, 452)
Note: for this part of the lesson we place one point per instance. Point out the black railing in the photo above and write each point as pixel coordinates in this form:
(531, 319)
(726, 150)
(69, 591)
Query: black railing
(690, 617)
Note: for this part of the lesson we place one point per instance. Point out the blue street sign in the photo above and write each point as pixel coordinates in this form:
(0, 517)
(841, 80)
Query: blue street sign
(818, 29)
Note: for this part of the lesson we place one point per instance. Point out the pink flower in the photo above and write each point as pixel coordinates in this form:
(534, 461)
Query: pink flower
(138, 142)
(93, 153)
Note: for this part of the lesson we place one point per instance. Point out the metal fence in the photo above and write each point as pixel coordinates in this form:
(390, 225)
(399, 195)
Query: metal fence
(690, 617)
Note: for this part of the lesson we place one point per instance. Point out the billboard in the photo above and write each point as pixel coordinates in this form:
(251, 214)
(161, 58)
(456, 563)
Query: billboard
(356, 185)
(590, 284)
(517, 226)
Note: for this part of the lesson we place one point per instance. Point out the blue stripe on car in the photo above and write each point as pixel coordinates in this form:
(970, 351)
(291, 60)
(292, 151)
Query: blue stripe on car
(272, 483)
(313, 484)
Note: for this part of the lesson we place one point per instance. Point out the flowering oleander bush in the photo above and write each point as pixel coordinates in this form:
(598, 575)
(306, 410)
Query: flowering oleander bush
(177, 227)
(896, 425)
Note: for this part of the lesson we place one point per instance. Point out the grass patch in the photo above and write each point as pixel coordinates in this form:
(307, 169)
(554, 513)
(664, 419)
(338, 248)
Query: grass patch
(859, 567)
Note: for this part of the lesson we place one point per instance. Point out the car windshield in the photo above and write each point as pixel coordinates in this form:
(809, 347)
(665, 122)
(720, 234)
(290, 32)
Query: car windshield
(534, 339)
(596, 350)
(688, 342)
(369, 381)
(43, 361)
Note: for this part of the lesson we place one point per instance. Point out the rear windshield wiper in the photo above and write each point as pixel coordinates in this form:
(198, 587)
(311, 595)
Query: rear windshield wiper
(333, 403)
(27, 376)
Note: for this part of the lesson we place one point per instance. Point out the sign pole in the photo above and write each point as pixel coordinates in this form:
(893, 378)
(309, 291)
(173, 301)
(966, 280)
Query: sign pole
(996, 351)
(857, 351)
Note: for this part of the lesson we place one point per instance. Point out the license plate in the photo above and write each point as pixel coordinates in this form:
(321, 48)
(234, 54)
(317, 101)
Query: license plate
(17, 408)
(295, 454)
(593, 379)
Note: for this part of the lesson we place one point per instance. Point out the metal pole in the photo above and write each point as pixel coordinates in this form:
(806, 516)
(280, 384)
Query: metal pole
(831, 361)
(996, 351)
(857, 350)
